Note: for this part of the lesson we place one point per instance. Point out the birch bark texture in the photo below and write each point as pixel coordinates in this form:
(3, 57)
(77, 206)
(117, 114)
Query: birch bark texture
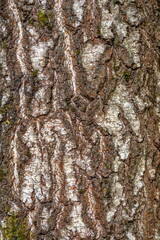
(80, 95)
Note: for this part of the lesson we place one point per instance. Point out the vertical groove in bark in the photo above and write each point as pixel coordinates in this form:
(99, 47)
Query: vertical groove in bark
(68, 53)
(82, 134)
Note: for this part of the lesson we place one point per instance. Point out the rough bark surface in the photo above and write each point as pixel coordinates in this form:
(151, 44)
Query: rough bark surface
(80, 95)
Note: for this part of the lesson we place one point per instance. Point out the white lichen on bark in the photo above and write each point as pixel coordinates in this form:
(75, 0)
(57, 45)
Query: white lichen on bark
(106, 21)
(78, 9)
(138, 181)
(117, 197)
(115, 125)
(132, 44)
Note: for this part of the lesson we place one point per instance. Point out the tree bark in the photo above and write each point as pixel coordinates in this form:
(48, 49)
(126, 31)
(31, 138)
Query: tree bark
(80, 94)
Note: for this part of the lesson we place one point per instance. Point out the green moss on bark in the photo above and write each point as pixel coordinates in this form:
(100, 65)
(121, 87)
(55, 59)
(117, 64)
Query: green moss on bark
(2, 174)
(15, 228)
(43, 18)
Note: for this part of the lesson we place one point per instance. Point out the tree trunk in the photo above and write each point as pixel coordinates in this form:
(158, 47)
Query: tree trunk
(80, 93)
